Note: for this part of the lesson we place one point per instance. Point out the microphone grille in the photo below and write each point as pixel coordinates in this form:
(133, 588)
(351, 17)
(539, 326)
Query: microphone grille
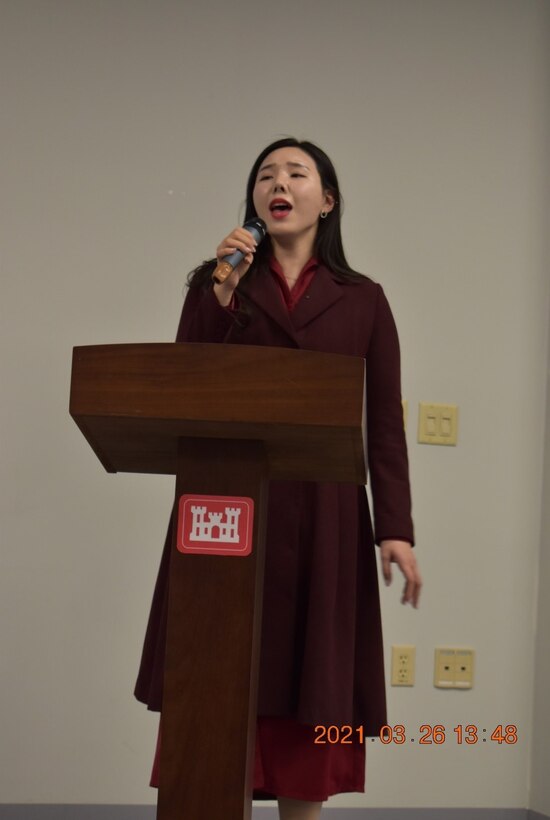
(257, 223)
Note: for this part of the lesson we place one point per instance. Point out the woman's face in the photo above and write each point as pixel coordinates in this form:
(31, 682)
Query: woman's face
(288, 195)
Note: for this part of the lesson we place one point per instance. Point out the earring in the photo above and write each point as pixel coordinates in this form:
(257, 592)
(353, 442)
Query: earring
(324, 214)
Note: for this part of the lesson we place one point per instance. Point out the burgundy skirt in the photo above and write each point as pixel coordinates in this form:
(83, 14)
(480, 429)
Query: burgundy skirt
(288, 763)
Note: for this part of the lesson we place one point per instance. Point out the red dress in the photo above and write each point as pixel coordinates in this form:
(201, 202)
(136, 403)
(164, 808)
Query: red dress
(288, 762)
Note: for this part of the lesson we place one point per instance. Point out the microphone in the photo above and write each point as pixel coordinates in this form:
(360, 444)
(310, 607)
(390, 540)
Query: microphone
(256, 227)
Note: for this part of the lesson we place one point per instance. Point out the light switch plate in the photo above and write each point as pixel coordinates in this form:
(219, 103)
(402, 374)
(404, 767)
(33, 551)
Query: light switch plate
(437, 423)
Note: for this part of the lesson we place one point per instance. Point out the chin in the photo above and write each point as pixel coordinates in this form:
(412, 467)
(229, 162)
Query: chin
(278, 227)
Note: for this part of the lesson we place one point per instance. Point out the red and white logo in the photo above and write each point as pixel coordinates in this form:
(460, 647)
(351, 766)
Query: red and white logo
(215, 525)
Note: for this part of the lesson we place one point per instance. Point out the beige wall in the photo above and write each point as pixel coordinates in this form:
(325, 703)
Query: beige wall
(127, 130)
(539, 787)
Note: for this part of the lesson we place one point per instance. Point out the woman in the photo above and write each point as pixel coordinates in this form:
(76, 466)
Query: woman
(321, 659)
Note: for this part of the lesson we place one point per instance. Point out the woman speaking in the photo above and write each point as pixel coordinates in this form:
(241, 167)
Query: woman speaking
(321, 660)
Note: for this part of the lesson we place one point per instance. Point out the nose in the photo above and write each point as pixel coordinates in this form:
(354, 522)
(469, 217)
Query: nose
(279, 182)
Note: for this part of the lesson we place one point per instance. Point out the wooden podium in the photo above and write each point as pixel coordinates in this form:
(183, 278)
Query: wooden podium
(224, 419)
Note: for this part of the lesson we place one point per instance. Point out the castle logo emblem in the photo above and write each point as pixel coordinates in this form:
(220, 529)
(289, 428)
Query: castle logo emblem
(215, 525)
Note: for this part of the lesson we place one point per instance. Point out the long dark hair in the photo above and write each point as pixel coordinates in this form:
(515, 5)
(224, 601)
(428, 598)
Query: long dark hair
(328, 248)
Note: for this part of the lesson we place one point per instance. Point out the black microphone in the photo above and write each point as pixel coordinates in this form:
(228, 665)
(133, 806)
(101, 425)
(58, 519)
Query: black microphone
(256, 227)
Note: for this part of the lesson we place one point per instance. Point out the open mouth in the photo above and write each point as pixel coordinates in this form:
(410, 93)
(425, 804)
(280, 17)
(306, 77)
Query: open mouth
(280, 207)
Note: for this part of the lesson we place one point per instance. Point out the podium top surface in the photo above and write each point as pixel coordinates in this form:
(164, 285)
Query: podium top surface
(133, 402)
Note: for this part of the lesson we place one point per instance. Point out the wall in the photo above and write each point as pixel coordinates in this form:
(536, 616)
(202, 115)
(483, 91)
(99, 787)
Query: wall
(128, 128)
(539, 785)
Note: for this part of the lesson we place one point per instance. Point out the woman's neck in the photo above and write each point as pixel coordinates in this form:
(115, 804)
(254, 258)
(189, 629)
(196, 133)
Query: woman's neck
(292, 258)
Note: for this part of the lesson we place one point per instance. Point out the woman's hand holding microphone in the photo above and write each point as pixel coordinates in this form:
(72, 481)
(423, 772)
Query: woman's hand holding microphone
(235, 254)
(238, 240)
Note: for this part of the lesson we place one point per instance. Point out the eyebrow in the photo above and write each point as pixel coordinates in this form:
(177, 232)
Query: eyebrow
(292, 164)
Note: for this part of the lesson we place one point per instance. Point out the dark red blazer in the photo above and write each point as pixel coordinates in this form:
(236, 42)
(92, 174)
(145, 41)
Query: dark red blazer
(321, 658)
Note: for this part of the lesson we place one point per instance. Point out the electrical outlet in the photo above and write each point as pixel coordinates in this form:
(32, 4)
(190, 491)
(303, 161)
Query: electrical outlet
(464, 668)
(454, 668)
(402, 667)
(444, 671)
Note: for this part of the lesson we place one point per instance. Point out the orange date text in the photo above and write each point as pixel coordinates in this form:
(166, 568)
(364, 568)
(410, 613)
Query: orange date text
(426, 735)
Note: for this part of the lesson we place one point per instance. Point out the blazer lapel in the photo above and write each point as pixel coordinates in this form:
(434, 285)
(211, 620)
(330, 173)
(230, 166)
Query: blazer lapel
(264, 292)
(323, 292)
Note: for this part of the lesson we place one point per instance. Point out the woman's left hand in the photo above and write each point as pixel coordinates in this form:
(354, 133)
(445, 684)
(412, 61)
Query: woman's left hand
(402, 554)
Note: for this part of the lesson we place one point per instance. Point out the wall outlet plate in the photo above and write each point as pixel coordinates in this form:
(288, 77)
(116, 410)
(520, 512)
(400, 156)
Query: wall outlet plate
(454, 668)
(403, 661)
